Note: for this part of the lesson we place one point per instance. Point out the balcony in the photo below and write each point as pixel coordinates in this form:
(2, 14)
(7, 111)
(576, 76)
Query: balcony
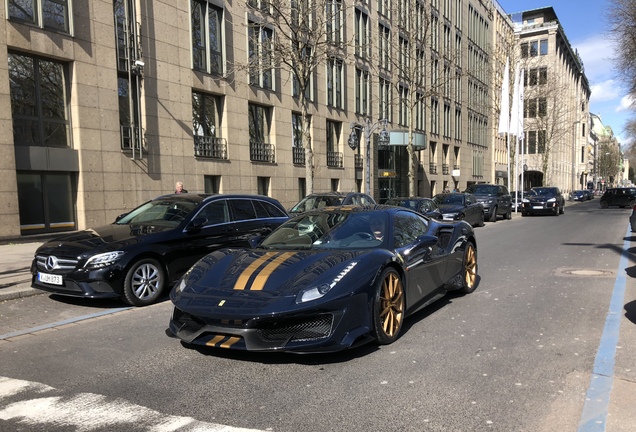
(432, 168)
(298, 155)
(210, 147)
(334, 159)
(445, 169)
(262, 152)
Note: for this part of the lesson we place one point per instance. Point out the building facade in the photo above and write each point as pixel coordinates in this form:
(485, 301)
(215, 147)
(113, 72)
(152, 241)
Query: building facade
(556, 102)
(110, 102)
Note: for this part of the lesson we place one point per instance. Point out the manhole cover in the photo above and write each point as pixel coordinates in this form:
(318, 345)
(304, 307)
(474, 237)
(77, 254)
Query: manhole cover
(588, 272)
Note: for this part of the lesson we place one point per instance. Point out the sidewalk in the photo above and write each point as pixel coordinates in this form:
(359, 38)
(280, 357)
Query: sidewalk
(15, 277)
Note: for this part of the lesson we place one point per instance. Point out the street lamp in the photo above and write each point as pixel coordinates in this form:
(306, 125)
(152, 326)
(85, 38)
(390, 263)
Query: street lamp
(368, 129)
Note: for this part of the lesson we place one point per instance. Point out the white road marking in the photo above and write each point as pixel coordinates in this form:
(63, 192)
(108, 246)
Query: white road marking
(88, 411)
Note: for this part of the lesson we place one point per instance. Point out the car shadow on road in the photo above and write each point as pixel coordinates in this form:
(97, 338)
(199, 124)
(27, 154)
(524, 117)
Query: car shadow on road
(108, 303)
(630, 311)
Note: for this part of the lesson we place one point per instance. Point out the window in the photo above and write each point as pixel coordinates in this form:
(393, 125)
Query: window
(334, 20)
(216, 212)
(543, 47)
(48, 14)
(305, 52)
(212, 184)
(335, 184)
(384, 91)
(334, 156)
(259, 126)
(403, 113)
(38, 101)
(362, 91)
(334, 83)
(534, 48)
(298, 150)
(434, 116)
(260, 55)
(207, 36)
(420, 112)
(404, 59)
(384, 46)
(263, 185)
(362, 34)
(206, 120)
(408, 227)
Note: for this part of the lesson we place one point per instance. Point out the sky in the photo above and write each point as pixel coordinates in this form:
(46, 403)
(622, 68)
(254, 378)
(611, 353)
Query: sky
(586, 26)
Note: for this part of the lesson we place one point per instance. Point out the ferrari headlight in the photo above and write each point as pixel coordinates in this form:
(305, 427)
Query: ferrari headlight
(552, 200)
(316, 292)
(103, 260)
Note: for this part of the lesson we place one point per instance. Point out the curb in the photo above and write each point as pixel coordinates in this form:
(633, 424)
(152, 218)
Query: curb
(19, 291)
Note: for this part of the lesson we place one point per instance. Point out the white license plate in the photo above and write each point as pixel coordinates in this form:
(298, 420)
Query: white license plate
(537, 207)
(50, 278)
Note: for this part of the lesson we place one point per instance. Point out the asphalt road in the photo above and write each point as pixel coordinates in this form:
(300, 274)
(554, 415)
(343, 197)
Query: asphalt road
(516, 355)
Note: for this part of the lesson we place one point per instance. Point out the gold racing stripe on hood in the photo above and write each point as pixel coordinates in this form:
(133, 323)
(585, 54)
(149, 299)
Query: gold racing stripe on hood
(262, 277)
(241, 282)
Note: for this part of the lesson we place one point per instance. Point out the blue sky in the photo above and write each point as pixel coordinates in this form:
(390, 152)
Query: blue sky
(586, 26)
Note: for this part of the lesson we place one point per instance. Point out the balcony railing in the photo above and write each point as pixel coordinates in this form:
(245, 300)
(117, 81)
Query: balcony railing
(334, 159)
(298, 155)
(261, 152)
(445, 169)
(131, 138)
(358, 162)
(432, 168)
(210, 147)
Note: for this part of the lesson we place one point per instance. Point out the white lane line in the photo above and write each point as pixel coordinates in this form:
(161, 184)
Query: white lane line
(85, 412)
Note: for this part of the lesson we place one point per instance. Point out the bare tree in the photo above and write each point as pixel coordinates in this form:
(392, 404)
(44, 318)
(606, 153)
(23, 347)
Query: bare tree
(296, 37)
(547, 117)
(419, 63)
(609, 160)
(622, 16)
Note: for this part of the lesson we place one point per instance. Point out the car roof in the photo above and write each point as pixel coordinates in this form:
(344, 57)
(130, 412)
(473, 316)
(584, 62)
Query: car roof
(201, 197)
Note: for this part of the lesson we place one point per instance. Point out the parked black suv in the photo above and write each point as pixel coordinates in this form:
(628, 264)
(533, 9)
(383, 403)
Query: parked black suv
(621, 197)
(495, 198)
(144, 251)
(543, 199)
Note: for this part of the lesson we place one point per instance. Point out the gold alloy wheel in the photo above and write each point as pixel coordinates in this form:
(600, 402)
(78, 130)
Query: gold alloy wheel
(391, 304)
(470, 267)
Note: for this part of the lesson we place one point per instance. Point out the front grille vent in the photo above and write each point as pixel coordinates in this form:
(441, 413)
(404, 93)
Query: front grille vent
(297, 329)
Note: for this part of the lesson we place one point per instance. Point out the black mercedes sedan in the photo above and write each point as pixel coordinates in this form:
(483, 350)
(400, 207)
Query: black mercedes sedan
(425, 206)
(460, 206)
(144, 251)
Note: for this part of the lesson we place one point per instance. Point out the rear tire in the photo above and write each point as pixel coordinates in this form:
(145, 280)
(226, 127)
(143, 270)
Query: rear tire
(509, 213)
(144, 282)
(604, 204)
(388, 307)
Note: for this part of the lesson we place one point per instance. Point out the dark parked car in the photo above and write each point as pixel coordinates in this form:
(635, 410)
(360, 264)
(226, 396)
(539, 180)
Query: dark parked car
(330, 199)
(632, 219)
(517, 199)
(495, 198)
(621, 197)
(426, 206)
(326, 280)
(144, 251)
(580, 195)
(460, 206)
(543, 200)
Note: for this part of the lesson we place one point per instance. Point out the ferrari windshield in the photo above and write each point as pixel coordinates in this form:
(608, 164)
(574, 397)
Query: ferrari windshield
(169, 212)
(330, 230)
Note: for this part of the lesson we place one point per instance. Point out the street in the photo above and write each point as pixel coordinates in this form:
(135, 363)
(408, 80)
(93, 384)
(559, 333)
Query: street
(516, 355)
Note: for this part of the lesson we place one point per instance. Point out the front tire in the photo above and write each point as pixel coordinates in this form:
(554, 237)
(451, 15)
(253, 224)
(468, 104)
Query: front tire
(469, 269)
(144, 282)
(604, 204)
(509, 213)
(493, 215)
(388, 307)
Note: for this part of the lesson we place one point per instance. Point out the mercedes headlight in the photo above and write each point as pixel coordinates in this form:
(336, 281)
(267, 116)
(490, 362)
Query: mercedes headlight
(103, 260)
(552, 200)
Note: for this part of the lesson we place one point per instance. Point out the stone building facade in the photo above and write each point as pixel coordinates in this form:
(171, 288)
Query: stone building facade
(109, 102)
(556, 102)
